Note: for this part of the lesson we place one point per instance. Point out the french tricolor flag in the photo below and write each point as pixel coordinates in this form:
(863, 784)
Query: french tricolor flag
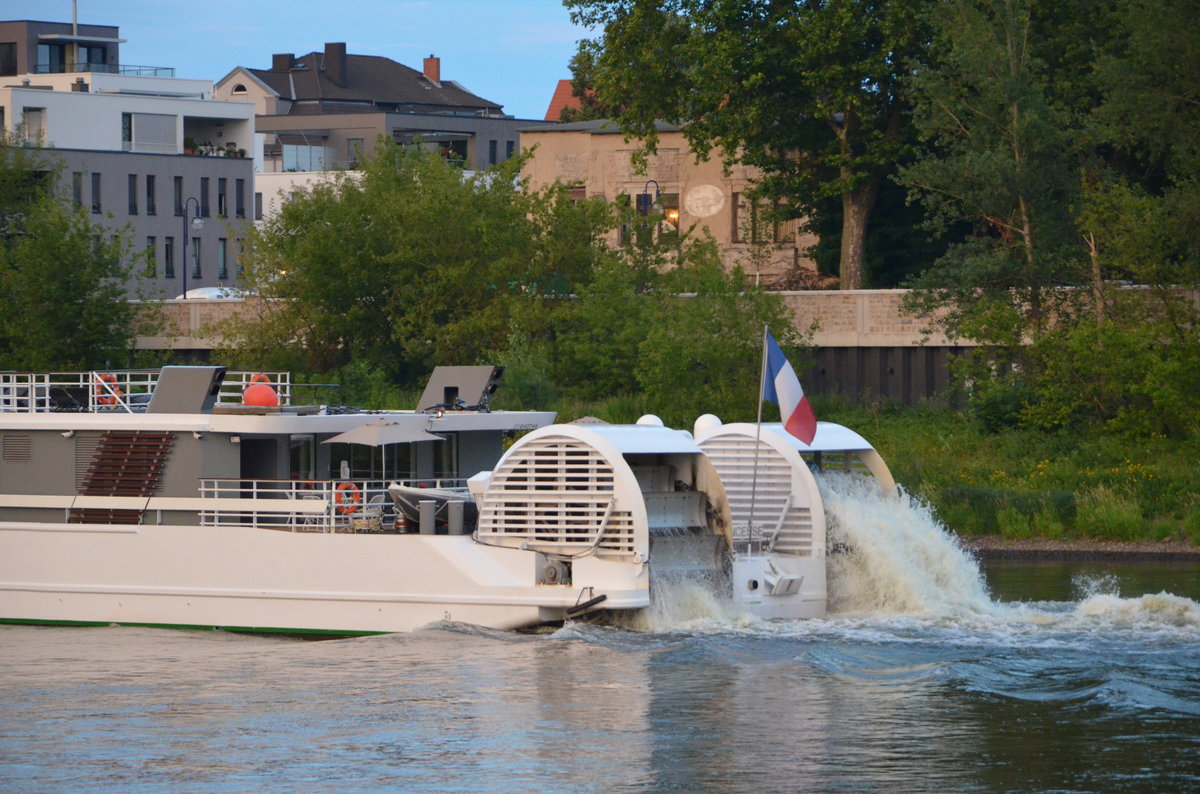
(782, 387)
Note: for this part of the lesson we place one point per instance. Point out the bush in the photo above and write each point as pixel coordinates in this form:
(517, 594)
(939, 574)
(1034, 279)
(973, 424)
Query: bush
(1103, 513)
(1013, 523)
(1191, 526)
(1048, 521)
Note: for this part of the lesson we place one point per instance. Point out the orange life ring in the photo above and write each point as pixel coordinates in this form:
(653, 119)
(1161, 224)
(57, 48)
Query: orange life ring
(347, 497)
(106, 390)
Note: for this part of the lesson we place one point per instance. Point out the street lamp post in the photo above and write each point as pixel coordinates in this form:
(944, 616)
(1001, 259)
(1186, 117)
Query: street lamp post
(646, 205)
(197, 224)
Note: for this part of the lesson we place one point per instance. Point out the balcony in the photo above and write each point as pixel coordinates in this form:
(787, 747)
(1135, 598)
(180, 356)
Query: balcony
(104, 68)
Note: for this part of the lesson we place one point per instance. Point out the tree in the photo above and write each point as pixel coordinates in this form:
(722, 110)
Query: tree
(411, 263)
(811, 93)
(1000, 155)
(703, 348)
(1150, 115)
(62, 278)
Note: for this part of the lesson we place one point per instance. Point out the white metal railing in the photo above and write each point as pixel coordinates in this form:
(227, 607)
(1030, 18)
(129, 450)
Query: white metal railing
(353, 505)
(126, 391)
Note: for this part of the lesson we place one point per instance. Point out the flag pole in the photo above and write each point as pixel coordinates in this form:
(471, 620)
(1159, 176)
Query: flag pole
(762, 390)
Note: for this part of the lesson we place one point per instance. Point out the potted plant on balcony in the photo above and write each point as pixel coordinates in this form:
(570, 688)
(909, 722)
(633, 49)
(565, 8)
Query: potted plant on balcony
(189, 145)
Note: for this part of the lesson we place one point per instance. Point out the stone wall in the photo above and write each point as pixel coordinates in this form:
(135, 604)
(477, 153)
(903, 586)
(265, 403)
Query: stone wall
(860, 318)
(847, 318)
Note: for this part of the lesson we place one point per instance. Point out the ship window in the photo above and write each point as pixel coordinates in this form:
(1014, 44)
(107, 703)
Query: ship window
(445, 460)
(302, 458)
(17, 449)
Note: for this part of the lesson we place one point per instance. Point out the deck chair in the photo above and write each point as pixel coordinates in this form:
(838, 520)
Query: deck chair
(370, 518)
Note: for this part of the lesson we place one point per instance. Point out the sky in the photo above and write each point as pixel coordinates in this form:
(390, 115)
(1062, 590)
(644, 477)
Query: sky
(512, 52)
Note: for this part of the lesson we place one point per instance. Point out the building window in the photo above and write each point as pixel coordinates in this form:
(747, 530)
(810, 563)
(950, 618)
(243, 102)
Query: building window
(240, 256)
(222, 262)
(751, 223)
(492, 149)
(204, 208)
(151, 257)
(96, 208)
(149, 132)
(151, 202)
(222, 199)
(258, 206)
(179, 196)
(169, 257)
(8, 58)
(33, 122)
(77, 188)
(238, 89)
(133, 194)
(510, 147)
(744, 223)
(195, 257)
(354, 148)
(239, 198)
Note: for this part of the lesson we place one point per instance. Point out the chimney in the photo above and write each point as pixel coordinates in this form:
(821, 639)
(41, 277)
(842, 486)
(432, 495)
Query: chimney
(433, 70)
(335, 62)
(282, 61)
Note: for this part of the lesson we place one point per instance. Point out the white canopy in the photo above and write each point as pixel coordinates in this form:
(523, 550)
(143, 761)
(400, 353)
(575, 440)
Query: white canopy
(376, 434)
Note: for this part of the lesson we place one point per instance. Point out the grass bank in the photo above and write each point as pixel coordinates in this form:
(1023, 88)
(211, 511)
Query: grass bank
(1023, 484)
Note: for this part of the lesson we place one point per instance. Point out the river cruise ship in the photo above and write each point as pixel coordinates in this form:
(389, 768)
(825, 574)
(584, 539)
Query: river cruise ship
(200, 497)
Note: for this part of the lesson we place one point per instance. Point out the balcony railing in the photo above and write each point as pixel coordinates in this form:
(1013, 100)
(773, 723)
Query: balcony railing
(104, 68)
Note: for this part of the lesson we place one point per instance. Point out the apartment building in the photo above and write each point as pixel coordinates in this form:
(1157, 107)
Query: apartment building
(137, 148)
(326, 110)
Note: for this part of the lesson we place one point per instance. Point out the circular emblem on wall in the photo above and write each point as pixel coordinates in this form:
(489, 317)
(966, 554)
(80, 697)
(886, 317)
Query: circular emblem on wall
(704, 200)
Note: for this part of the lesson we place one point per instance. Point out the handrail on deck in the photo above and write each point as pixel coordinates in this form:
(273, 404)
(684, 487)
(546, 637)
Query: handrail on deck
(125, 391)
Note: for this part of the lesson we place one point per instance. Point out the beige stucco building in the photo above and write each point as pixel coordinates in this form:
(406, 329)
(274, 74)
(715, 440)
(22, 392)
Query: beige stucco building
(596, 160)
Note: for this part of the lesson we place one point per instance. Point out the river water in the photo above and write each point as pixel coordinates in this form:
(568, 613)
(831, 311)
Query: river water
(930, 675)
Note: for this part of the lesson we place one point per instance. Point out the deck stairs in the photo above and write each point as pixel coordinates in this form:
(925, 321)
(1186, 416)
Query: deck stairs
(124, 464)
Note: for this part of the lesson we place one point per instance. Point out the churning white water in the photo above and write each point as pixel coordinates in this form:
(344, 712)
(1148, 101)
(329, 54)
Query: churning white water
(891, 555)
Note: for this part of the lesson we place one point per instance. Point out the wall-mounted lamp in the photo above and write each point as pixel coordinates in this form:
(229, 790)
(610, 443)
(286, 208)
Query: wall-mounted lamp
(69, 434)
(235, 439)
(196, 434)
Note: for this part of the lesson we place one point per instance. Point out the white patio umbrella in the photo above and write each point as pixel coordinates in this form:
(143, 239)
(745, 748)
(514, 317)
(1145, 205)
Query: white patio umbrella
(376, 434)
(380, 433)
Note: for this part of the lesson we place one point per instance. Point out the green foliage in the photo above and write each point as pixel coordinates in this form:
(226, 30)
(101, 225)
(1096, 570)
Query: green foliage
(1105, 514)
(702, 353)
(1071, 483)
(597, 340)
(1001, 153)
(62, 278)
(527, 382)
(409, 264)
(1191, 526)
(1131, 380)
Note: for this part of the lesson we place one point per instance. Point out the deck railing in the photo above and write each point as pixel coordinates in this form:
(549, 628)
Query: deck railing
(356, 505)
(126, 391)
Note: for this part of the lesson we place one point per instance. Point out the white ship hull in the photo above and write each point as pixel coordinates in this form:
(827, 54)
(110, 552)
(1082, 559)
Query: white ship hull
(251, 579)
